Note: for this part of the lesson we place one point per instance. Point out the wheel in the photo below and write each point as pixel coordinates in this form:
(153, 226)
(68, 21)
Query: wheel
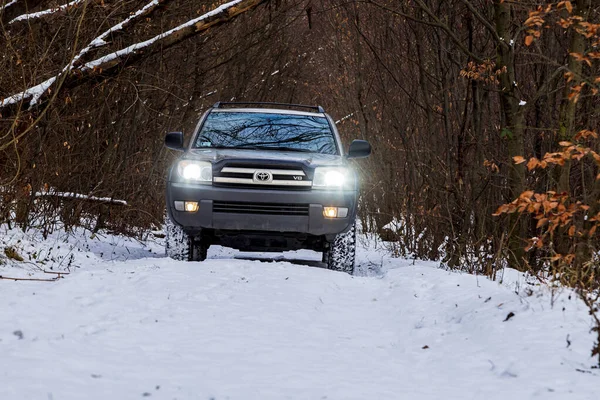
(176, 241)
(198, 250)
(341, 253)
(180, 246)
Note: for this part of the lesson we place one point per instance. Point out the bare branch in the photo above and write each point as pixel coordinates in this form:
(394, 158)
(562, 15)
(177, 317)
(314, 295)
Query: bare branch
(449, 32)
(436, 23)
(484, 21)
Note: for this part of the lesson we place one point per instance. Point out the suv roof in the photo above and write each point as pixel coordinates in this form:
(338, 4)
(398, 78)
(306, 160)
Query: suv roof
(266, 105)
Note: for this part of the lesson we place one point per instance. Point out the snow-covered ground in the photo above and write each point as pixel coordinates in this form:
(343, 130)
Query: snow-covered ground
(129, 323)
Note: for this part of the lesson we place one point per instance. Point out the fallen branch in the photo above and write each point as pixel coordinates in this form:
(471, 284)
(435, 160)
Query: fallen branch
(30, 279)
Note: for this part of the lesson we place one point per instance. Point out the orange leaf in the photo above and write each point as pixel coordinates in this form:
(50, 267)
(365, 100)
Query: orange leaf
(541, 222)
(592, 230)
(528, 40)
(569, 76)
(519, 159)
(533, 162)
(526, 195)
(572, 230)
(502, 209)
(569, 6)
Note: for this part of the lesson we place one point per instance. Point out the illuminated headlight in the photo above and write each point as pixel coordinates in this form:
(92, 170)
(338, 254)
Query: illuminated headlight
(333, 178)
(195, 171)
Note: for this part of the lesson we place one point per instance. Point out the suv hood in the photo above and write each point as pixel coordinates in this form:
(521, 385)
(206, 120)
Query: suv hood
(310, 159)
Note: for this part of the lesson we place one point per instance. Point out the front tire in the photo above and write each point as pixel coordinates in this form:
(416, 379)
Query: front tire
(180, 246)
(341, 254)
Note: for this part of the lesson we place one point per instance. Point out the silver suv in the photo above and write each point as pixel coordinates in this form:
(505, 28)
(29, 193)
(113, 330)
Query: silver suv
(263, 177)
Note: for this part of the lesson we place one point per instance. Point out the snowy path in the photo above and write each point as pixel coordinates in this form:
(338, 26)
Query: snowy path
(246, 329)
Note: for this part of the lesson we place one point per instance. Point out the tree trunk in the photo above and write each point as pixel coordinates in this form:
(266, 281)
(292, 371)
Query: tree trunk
(512, 129)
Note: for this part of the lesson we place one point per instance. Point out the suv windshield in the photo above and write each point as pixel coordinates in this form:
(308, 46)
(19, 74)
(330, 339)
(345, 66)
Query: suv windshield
(267, 131)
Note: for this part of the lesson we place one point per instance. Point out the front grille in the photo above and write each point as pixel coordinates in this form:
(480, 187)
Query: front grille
(270, 177)
(260, 208)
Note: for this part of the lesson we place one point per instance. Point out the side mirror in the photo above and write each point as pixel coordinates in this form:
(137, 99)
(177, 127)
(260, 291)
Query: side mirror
(174, 140)
(359, 149)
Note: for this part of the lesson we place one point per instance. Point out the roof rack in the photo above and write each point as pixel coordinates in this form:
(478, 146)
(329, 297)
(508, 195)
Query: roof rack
(220, 104)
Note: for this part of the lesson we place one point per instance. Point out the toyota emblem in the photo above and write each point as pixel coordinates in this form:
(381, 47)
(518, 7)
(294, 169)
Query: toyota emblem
(263, 176)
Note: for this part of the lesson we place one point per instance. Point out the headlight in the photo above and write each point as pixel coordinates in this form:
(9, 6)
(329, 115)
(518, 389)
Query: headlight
(195, 171)
(333, 178)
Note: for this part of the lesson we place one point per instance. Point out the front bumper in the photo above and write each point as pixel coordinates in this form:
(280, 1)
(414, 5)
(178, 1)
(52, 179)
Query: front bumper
(314, 223)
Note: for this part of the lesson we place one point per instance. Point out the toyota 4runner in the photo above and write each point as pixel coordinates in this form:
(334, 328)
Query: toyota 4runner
(263, 177)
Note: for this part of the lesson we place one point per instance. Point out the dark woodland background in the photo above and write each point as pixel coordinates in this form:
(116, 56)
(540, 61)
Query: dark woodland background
(448, 92)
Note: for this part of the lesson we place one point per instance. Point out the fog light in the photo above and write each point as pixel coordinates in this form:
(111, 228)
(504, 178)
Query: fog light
(179, 205)
(330, 212)
(191, 206)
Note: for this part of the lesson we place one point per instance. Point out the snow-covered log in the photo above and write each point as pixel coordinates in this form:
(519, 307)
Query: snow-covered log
(79, 196)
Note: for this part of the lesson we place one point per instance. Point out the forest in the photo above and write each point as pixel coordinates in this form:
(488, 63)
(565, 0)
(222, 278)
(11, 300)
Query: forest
(483, 114)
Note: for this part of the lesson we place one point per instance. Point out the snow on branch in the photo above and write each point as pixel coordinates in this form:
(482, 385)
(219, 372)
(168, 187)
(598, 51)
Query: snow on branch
(101, 40)
(36, 92)
(141, 45)
(219, 15)
(5, 6)
(39, 14)
(78, 196)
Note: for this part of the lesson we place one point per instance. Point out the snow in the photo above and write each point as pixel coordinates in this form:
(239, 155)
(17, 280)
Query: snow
(45, 12)
(522, 103)
(129, 323)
